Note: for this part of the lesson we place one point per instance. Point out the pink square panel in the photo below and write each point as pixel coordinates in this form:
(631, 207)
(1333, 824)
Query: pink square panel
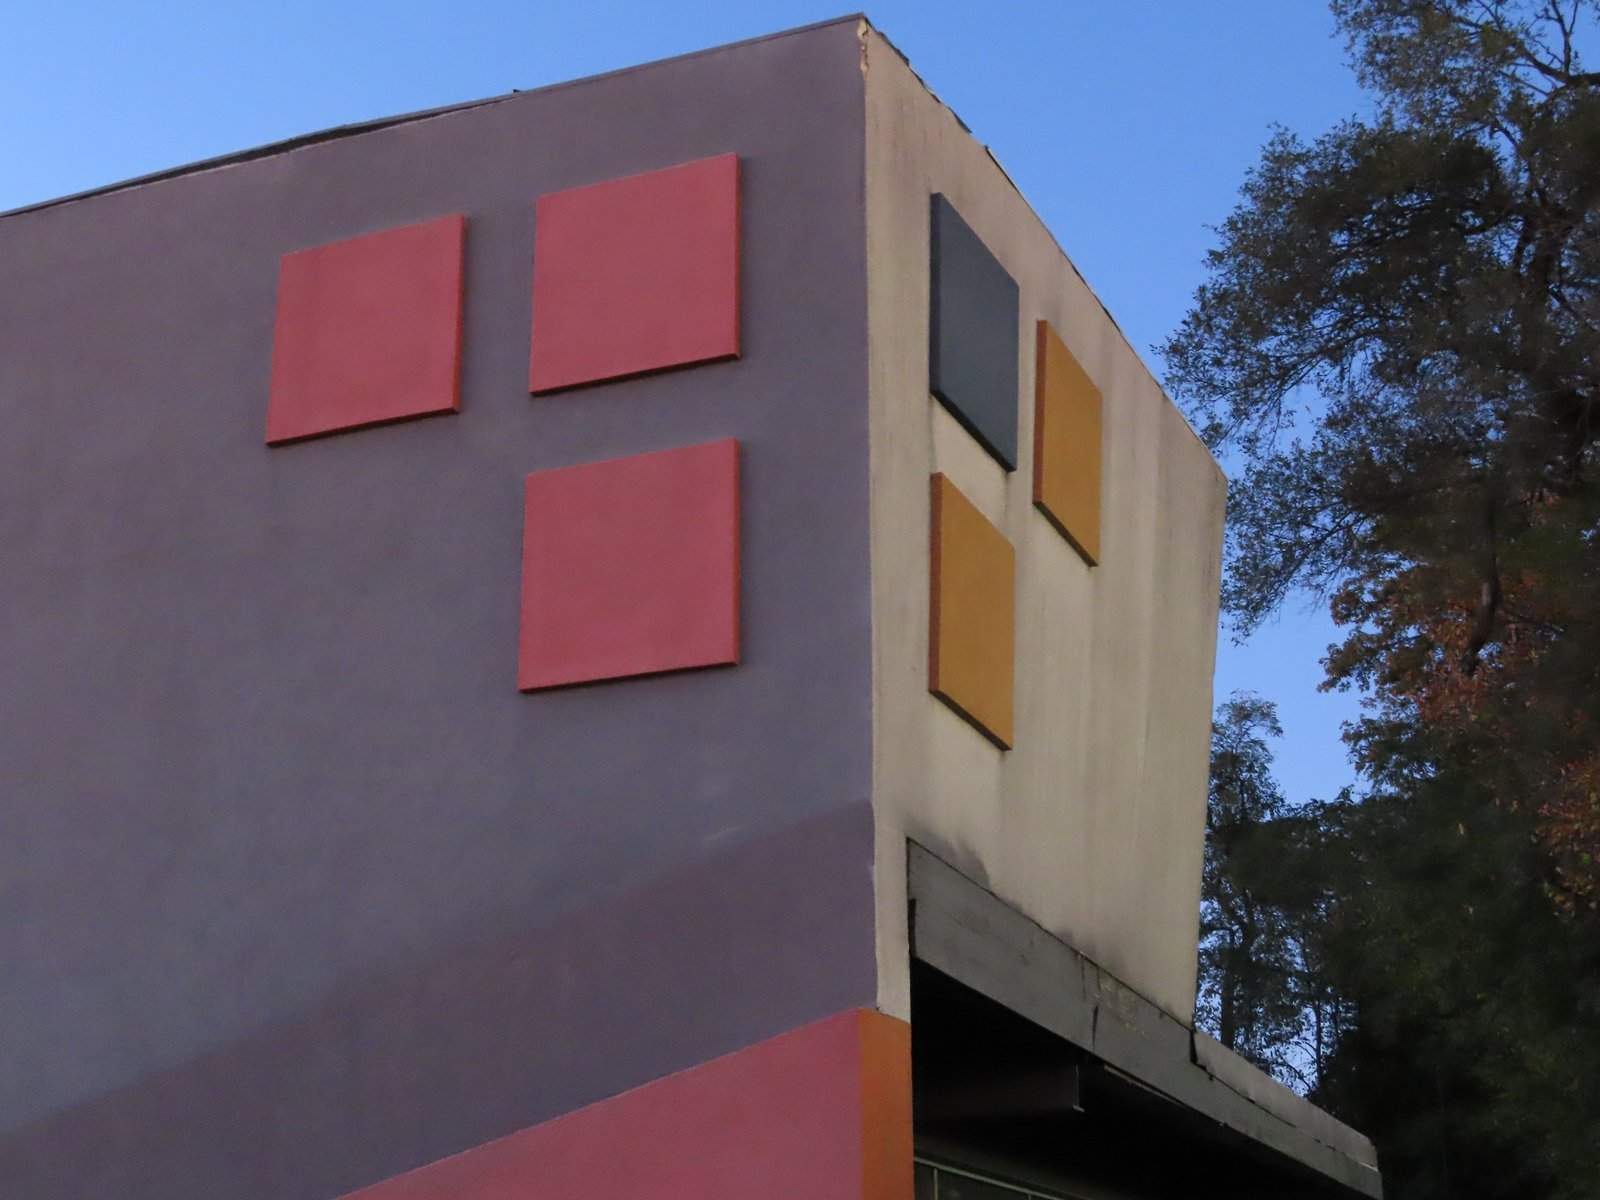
(636, 275)
(368, 331)
(631, 566)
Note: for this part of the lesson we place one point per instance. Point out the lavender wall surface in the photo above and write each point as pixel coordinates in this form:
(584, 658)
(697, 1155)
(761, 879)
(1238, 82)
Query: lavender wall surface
(298, 890)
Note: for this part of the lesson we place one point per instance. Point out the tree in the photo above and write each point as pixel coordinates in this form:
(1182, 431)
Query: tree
(1261, 990)
(1472, 1054)
(1398, 339)
(1395, 956)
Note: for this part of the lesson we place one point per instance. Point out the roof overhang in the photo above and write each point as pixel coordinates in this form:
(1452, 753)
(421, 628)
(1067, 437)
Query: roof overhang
(963, 931)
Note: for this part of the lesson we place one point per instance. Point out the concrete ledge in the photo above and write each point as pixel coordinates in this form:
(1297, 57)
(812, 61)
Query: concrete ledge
(961, 929)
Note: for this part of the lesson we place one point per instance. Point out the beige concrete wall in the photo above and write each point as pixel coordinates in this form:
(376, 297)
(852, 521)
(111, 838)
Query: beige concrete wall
(1093, 823)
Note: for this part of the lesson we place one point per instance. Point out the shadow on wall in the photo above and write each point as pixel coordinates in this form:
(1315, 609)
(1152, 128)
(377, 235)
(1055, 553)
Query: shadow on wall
(393, 1073)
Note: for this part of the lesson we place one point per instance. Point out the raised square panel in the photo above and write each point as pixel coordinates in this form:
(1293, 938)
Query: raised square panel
(368, 331)
(631, 567)
(636, 275)
(1066, 445)
(972, 615)
(972, 334)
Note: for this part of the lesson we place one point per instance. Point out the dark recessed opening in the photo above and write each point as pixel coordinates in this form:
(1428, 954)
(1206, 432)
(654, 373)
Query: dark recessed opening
(999, 1102)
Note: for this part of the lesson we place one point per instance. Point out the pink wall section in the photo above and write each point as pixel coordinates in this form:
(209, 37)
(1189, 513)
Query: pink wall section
(820, 1113)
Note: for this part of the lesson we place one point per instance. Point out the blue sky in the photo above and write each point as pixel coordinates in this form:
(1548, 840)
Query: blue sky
(1129, 127)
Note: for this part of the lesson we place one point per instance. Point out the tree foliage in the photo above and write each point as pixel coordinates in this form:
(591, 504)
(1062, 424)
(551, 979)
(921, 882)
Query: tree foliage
(1395, 956)
(1261, 988)
(1398, 341)
(1399, 337)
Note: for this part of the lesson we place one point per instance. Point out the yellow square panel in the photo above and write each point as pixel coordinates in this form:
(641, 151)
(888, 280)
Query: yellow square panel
(1066, 445)
(972, 623)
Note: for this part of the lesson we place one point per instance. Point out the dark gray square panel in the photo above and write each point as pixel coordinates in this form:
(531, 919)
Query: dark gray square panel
(972, 334)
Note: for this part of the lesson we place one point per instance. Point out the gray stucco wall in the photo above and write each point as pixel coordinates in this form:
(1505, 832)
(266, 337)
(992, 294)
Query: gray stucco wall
(297, 890)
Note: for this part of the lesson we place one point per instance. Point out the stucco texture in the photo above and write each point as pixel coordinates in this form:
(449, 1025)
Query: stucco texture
(299, 890)
(1092, 823)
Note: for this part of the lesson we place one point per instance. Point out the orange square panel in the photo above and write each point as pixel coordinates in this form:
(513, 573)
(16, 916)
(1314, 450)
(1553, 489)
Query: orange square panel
(972, 618)
(1066, 445)
(636, 275)
(368, 331)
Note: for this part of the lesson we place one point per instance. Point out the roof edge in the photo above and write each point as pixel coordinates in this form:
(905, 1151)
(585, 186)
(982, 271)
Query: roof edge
(357, 128)
(1033, 212)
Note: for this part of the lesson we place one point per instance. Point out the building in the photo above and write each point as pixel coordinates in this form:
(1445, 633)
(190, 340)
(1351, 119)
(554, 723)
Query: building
(752, 731)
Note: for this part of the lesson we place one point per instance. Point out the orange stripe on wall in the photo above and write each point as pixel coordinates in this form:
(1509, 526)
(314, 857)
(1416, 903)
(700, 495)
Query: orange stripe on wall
(886, 1134)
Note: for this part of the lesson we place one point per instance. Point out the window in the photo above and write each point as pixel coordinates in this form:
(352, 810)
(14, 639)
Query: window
(939, 1181)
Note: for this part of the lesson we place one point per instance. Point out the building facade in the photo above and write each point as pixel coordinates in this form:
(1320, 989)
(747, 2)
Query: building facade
(646, 638)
